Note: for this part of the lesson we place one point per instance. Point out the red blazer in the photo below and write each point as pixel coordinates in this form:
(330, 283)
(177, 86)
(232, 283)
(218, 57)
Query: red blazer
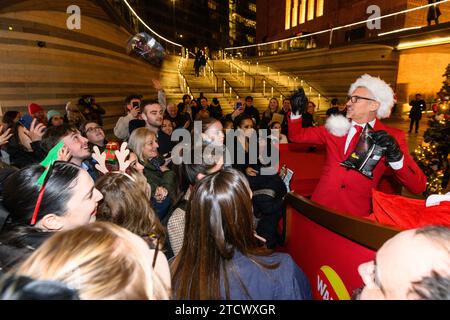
(348, 190)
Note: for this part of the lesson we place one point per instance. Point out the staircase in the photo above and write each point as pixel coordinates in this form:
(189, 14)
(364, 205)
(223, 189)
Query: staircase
(228, 79)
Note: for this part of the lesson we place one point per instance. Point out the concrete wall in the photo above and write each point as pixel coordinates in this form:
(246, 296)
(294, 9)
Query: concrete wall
(332, 71)
(420, 71)
(92, 60)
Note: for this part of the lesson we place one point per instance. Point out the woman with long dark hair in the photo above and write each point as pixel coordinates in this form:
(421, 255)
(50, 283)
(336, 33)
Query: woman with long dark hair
(67, 199)
(221, 257)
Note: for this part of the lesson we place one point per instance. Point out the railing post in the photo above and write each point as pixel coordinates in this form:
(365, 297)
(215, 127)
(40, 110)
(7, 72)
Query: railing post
(244, 77)
(264, 88)
(230, 91)
(216, 84)
(252, 84)
(271, 92)
(224, 88)
(318, 103)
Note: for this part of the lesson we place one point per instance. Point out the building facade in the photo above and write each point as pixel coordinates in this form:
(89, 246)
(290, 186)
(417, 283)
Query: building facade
(289, 18)
(199, 23)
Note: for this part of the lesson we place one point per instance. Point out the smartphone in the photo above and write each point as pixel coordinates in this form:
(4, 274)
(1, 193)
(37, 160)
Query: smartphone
(238, 105)
(26, 121)
(136, 105)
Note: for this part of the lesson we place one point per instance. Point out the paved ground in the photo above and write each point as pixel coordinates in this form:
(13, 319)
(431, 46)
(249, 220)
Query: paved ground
(413, 139)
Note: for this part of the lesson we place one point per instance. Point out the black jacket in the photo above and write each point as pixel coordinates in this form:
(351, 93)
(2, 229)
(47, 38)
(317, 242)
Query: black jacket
(417, 106)
(20, 157)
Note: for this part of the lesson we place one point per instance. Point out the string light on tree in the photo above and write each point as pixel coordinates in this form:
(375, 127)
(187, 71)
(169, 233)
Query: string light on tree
(433, 155)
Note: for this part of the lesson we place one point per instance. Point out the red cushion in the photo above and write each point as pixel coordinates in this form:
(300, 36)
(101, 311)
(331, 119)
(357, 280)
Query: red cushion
(406, 213)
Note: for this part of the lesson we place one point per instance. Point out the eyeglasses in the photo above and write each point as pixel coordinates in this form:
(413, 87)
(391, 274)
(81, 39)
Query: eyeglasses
(93, 129)
(354, 99)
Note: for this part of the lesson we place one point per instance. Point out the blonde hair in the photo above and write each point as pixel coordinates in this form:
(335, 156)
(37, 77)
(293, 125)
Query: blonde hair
(100, 260)
(268, 113)
(136, 142)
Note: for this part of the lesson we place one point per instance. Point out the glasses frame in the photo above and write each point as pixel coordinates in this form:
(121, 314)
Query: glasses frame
(92, 129)
(354, 99)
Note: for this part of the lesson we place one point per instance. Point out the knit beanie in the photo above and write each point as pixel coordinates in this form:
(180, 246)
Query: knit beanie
(52, 113)
(34, 108)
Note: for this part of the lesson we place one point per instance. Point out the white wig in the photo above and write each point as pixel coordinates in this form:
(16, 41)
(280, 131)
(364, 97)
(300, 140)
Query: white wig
(380, 91)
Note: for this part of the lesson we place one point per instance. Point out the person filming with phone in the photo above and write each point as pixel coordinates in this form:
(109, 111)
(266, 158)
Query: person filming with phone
(247, 108)
(132, 106)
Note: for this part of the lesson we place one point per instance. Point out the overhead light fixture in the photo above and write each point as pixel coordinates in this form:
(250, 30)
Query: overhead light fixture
(398, 30)
(423, 43)
(10, 28)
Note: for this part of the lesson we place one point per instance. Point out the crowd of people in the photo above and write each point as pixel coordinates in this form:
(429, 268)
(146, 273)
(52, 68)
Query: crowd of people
(83, 217)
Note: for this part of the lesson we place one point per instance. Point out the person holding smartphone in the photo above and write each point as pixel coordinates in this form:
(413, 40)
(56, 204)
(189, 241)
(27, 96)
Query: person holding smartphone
(132, 105)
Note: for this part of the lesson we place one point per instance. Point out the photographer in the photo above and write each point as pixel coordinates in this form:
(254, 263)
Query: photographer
(91, 110)
(132, 106)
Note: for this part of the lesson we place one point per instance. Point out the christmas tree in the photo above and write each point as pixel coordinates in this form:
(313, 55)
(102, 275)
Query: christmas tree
(433, 155)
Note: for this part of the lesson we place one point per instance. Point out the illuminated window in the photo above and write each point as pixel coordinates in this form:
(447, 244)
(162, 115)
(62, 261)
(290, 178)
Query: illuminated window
(310, 10)
(302, 14)
(319, 8)
(287, 19)
(294, 13)
(252, 7)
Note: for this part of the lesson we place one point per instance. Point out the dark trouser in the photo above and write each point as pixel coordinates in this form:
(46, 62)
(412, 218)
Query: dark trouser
(416, 121)
(267, 228)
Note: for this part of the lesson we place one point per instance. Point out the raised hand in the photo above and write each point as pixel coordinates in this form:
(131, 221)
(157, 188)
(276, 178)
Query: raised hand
(5, 136)
(385, 140)
(64, 154)
(157, 85)
(299, 102)
(36, 131)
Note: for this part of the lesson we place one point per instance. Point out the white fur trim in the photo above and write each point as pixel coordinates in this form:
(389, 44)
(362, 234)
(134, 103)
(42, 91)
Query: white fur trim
(380, 90)
(338, 125)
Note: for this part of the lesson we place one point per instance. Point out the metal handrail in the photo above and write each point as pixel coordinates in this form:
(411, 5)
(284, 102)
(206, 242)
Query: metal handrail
(281, 73)
(184, 84)
(232, 89)
(216, 82)
(282, 95)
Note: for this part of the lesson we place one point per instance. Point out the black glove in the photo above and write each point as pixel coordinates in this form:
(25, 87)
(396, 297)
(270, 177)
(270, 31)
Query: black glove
(299, 102)
(385, 140)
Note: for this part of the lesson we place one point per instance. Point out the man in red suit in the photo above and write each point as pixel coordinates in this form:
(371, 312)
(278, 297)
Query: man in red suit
(340, 188)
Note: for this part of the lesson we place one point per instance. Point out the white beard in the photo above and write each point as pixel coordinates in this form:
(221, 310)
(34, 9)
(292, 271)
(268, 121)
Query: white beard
(338, 125)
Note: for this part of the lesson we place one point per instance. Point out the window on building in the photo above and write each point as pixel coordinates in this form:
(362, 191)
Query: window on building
(300, 11)
(319, 8)
(294, 13)
(252, 7)
(310, 10)
(287, 19)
